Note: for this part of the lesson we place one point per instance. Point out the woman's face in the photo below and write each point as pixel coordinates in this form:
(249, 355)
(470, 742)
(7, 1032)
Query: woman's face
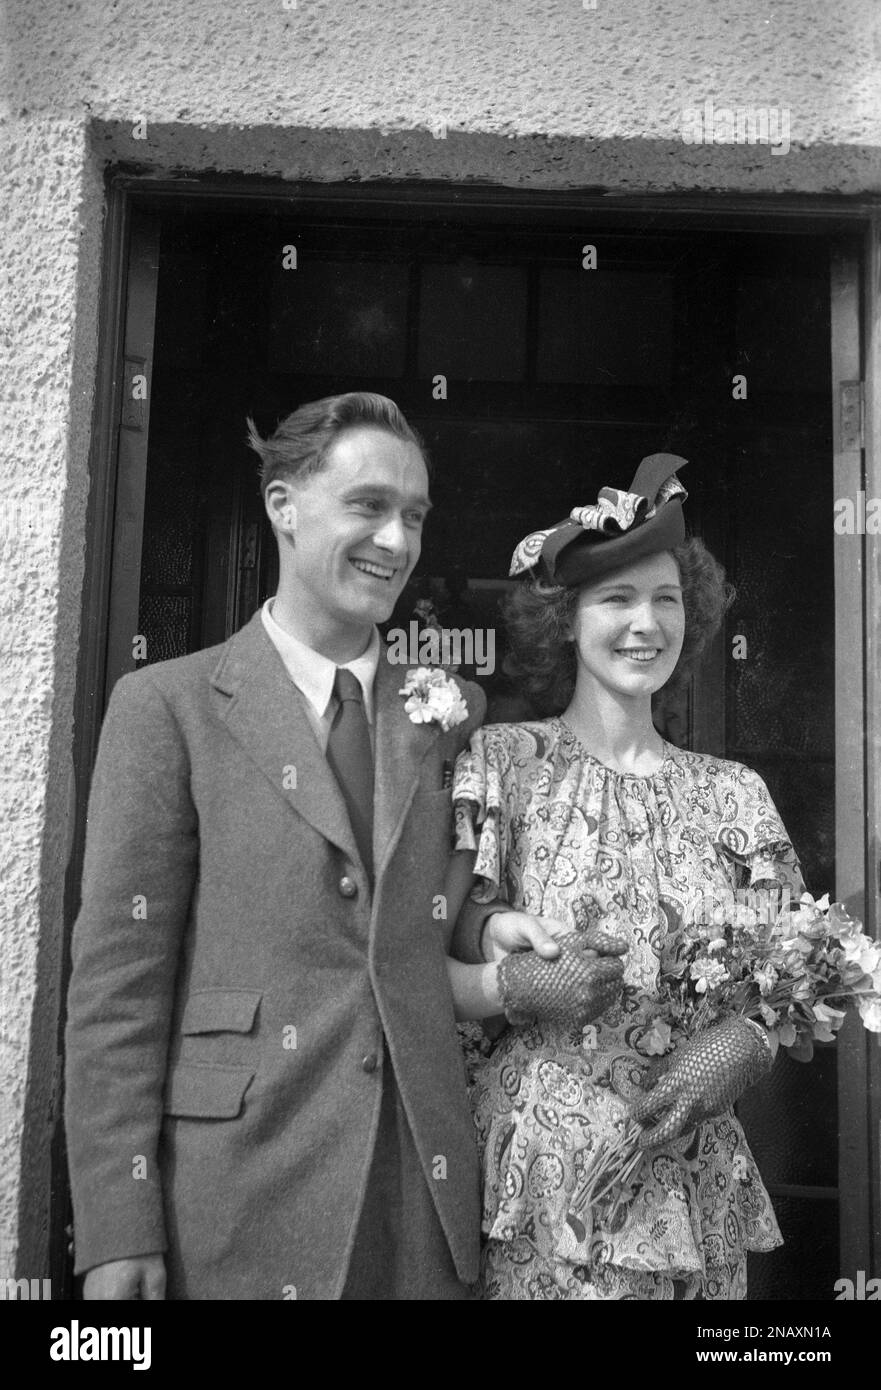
(629, 626)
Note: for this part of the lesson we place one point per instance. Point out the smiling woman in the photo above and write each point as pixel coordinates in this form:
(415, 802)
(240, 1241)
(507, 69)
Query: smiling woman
(593, 822)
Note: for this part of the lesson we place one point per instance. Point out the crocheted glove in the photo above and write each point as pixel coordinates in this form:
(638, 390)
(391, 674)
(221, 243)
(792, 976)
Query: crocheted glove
(704, 1078)
(571, 990)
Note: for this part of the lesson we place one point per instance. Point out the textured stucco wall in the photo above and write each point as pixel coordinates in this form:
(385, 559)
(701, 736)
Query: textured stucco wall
(533, 94)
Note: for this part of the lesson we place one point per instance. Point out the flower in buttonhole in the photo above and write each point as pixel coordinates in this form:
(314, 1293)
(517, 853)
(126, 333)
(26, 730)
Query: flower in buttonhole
(433, 698)
(707, 974)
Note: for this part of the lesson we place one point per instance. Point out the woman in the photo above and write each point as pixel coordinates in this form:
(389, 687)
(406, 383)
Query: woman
(591, 818)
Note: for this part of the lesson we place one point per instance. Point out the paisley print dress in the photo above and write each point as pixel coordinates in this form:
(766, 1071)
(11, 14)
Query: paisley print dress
(558, 833)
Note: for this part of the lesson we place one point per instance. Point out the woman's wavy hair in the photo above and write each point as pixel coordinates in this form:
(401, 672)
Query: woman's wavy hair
(541, 660)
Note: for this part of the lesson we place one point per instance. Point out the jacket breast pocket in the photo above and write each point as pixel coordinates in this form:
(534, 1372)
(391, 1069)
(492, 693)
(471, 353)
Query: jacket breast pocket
(214, 1065)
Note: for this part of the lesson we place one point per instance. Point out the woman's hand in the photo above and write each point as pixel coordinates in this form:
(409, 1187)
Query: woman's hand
(703, 1078)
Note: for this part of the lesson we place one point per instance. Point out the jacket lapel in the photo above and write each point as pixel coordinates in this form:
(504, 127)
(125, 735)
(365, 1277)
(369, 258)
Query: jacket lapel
(401, 747)
(267, 716)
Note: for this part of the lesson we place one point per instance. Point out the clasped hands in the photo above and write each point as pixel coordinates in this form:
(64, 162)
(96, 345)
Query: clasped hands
(567, 979)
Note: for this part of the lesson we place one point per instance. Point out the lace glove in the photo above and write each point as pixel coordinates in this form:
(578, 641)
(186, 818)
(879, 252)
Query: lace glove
(571, 990)
(703, 1078)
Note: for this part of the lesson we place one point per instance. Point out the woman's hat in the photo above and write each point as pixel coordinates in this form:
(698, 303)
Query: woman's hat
(622, 527)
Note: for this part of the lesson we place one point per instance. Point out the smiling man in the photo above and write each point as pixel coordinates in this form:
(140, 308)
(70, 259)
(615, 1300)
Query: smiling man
(265, 1090)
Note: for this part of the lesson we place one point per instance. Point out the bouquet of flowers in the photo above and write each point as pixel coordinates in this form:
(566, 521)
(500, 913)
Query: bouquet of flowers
(796, 971)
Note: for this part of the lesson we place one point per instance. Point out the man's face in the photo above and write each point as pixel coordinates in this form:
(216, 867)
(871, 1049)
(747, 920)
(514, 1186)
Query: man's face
(358, 529)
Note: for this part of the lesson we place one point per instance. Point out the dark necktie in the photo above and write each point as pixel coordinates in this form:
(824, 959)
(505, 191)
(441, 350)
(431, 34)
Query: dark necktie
(351, 760)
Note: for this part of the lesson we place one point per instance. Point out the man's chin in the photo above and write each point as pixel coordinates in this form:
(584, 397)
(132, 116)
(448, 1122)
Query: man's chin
(376, 612)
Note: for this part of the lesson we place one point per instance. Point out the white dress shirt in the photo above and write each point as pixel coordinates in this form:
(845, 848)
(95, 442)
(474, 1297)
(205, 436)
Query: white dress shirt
(314, 674)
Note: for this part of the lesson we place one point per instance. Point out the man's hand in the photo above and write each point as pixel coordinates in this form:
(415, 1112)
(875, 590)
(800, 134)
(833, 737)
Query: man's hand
(517, 931)
(119, 1280)
(571, 991)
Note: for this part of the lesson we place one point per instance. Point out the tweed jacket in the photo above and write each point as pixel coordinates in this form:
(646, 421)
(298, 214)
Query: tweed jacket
(237, 984)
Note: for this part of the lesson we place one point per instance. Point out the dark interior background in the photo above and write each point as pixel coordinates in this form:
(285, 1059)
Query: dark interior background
(559, 380)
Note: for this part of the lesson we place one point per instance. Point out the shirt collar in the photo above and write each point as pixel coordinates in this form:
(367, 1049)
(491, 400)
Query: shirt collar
(313, 673)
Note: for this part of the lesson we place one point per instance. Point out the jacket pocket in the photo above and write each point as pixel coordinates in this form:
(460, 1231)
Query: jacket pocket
(205, 1091)
(220, 1011)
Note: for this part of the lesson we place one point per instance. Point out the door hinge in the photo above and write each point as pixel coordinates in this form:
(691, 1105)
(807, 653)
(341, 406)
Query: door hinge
(851, 399)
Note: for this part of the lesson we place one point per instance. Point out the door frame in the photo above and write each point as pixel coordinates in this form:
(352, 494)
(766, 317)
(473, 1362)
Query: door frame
(133, 203)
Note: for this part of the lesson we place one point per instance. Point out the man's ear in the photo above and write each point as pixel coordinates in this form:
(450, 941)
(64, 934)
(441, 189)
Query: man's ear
(280, 507)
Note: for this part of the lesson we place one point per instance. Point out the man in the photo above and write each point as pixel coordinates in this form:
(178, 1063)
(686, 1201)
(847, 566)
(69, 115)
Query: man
(265, 1090)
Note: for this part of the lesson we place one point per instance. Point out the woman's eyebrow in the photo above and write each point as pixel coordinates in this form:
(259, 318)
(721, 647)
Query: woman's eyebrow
(631, 588)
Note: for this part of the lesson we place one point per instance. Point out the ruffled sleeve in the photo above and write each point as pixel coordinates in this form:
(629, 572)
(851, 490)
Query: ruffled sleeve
(478, 801)
(754, 836)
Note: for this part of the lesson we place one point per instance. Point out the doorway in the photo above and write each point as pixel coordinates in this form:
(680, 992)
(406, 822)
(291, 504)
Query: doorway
(539, 362)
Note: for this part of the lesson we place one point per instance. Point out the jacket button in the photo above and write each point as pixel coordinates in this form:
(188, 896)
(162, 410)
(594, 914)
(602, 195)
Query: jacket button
(348, 886)
(368, 1063)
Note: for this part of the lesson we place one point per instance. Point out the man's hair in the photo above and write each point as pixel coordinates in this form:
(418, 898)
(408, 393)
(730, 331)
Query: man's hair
(300, 444)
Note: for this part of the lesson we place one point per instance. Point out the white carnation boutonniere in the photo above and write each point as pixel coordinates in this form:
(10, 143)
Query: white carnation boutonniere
(433, 698)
